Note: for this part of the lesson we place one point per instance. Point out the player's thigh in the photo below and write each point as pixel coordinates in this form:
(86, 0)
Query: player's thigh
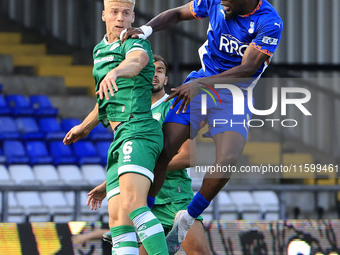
(196, 242)
(117, 216)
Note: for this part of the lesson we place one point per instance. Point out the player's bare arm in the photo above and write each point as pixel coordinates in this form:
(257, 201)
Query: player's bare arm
(130, 67)
(164, 20)
(251, 62)
(185, 156)
(82, 130)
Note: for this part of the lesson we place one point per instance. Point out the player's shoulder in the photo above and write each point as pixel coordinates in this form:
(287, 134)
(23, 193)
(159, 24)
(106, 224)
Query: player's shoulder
(268, 12)
(132, 42)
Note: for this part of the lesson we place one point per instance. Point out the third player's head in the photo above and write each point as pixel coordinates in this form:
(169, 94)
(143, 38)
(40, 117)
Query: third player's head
(160, 79)
(232, 8)
(117, 15)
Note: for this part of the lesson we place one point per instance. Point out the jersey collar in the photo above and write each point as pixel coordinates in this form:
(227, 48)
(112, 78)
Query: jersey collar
(159, 101)
(106, 42)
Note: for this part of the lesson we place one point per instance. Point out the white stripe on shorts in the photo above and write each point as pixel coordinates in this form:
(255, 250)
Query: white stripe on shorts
(112, 193)
(135, 169)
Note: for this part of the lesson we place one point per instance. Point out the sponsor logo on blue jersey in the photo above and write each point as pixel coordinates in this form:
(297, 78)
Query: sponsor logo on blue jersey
(232, 45)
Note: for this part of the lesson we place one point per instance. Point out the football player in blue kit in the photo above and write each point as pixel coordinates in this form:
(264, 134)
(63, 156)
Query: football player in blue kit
(241, 39)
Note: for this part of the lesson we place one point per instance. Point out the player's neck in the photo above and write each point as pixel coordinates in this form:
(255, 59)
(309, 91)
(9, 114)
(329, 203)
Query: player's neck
(158, 95)
(250, 6)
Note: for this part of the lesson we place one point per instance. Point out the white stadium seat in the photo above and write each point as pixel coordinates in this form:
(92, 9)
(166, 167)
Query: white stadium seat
(269, 204)
(246, 205)
(47, 174)
(71, 174)
(22, 174)
(57, 205)
(94, 174)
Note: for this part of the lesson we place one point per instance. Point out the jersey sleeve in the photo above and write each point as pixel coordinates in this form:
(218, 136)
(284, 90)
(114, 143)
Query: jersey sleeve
(268, 37)
(132, 45)
(200, 8)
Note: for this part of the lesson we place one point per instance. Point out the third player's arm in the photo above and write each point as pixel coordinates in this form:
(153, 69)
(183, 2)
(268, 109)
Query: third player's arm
(171, 17)
(185, 157)
(130, 67)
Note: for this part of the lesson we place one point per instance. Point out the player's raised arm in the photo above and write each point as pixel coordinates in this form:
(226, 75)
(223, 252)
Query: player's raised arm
(130, 67)
(164, 20)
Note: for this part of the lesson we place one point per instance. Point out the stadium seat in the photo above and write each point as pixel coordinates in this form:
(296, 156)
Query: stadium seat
(246, 205)
(56, 202)
(86, 153)
(33, 206)
(47, 175)
(228, 210)
(5, 179)
(62, 154)
(43, 106)
(2, 157)
(29, 128)
(71, 175)
(86, 214)
(22, 174)
(4, 108)
(52, 129)
(269, 204)
(8, 129)
(94, 174)
(68, 123)
(38, 153)
(15, 210)
(15, 152)
(102, 148)
(100, 133)
(20, 105)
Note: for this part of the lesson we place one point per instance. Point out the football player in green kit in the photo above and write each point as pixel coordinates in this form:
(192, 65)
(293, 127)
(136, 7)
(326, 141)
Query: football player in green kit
(123, 76)
(176, 192)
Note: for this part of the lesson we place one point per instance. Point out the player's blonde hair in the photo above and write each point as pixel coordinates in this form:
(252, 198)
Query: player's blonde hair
(123, 1)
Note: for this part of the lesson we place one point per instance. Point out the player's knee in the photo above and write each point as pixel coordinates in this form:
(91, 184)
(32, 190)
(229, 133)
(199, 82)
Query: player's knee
(229, 159)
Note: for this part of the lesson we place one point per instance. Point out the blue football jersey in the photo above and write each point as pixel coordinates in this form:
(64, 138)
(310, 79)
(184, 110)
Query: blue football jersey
(228, 39)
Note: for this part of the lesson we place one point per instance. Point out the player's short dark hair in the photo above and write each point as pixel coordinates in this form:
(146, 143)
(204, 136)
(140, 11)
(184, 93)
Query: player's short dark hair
(160, 58)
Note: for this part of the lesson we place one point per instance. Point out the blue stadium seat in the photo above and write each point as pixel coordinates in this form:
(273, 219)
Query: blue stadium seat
(43, 106)
(4, 108)
(15, 152)
(68, 123)
(100, 133)
(8, 129)
(102, 148)
(29, 128)
(51, 127)
(86, 153)
(20, 105)
(2, 157)
(38, 152)
(62, 154)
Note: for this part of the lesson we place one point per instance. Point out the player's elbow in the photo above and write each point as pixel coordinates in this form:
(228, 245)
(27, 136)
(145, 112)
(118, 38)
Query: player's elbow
(249, 69)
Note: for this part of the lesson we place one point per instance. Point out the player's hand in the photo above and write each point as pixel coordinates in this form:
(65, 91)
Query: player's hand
(96, 196)
(142, 32)
(185, 92)
(132, 32)
(75, 134)
(107, 84)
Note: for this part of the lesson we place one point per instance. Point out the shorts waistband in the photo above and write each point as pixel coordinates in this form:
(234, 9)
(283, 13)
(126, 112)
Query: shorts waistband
(121, 123)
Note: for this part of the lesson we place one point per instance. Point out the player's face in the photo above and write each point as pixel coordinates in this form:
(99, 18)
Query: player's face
(159, 79)
(117, 16)
(232, 8)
